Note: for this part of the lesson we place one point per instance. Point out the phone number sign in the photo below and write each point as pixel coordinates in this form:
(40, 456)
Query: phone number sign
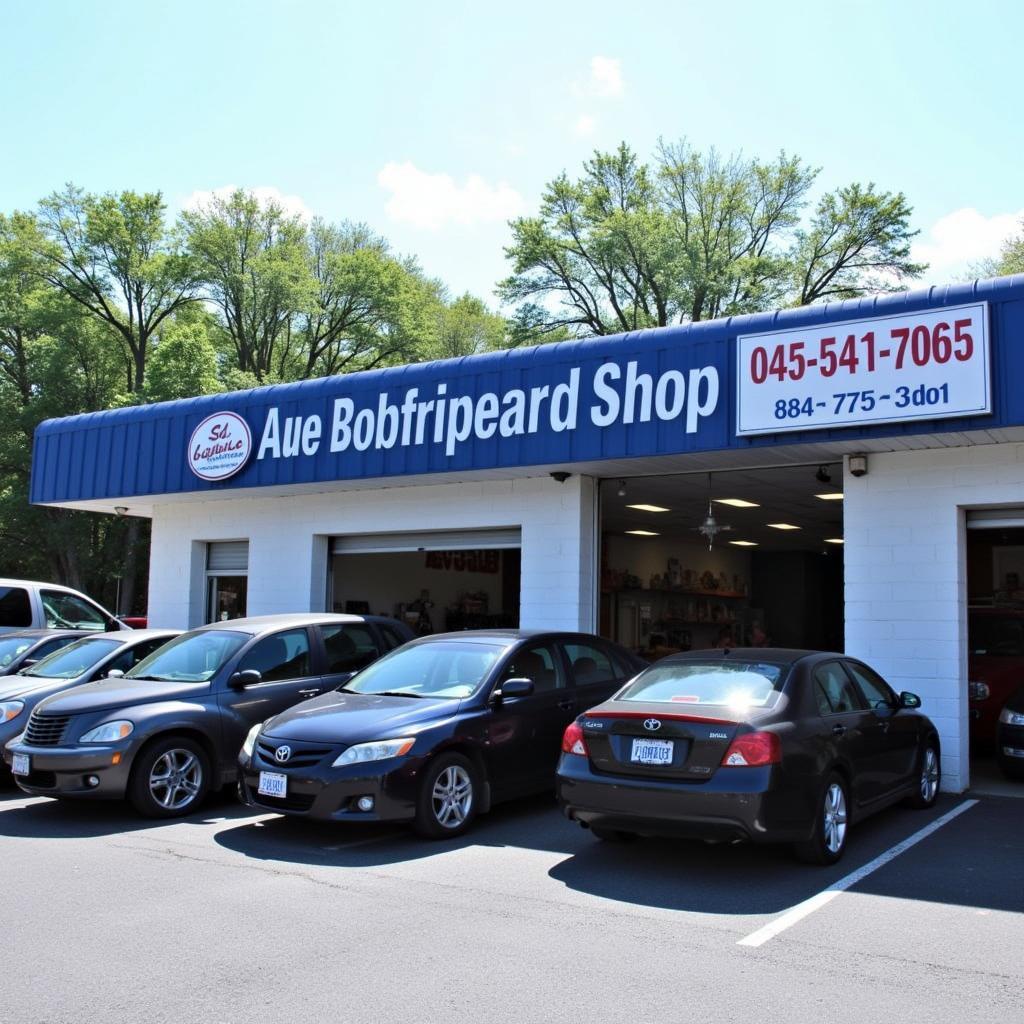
(913, 366)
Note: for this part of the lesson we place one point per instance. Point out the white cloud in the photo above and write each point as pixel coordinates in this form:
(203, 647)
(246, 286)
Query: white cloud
(604, 80)
(432, 201)
(292, 205)
(584, 126)
(961, 238)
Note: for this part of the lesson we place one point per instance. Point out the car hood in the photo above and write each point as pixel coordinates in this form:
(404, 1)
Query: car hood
(14, 687)
(108, 694)
(353, 717)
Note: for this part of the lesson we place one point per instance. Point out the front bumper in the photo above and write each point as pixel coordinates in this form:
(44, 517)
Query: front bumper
(65, 771)
(1010, 741)
(330, 794)
(734, 804)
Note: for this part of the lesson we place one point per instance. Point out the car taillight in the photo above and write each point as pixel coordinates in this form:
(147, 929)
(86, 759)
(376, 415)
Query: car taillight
(573, 742)
(977, 690)
(754, 749)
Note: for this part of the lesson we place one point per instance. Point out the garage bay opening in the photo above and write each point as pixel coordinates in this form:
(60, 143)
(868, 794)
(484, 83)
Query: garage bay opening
(436, 582)
(695, 561)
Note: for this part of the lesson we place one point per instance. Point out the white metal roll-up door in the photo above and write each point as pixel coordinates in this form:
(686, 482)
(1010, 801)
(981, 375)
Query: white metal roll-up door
(443, 540)
(994, 518)
(227, 556)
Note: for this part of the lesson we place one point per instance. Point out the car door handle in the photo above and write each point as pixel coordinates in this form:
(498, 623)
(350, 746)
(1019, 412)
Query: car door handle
(309, 693)
(838, 730)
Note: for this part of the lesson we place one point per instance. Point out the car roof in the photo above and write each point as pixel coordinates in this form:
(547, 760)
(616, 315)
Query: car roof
(262, 623)
(126, 636)
(5, 582)
(772, 655)
(508, 637)
(45, 634)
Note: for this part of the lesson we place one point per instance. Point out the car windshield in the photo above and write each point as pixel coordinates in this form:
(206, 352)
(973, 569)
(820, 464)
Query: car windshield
(191, 658)
(737, 685)
(998, 636)
(13, 648)
(449, 669)
(73, 660)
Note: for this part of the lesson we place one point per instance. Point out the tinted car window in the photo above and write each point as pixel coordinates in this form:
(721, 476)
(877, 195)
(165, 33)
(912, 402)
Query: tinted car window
(873, 686)
(348, 647)
(74, 659)
(392, 638)
(735, 684)
(15, 609)
(834, 691)
(280, 656)
(129, 658)
(192, 658)
(589, 664)
(13, 648)
(50, 646)
(65, 611)
(537, 663)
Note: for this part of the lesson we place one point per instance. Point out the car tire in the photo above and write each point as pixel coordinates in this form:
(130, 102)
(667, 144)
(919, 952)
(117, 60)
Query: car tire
(831, 824)
(171, 777)
(448, 797)
(612, 835)
(1011, 767)
(927, 778)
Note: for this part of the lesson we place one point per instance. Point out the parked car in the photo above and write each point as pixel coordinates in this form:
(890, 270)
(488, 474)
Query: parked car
(995, 668)
(749, 744)
(435, 733)
(1010, 737)
(25, 604)
(83, 660)
(20, 650)
(168, 731)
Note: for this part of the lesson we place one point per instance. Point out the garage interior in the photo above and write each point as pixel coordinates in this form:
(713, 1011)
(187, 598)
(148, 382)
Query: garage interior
(698, 560)
(435, 582)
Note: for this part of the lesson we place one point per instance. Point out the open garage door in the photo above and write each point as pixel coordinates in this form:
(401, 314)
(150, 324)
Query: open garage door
(438, 581)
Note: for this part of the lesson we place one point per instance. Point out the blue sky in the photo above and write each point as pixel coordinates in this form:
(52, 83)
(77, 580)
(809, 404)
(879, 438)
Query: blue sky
(436, 122)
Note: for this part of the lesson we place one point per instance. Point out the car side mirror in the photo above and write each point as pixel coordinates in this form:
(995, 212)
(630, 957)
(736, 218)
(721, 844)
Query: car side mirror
(115, 673)
(240, 680)
(514, 688)
(909, 700)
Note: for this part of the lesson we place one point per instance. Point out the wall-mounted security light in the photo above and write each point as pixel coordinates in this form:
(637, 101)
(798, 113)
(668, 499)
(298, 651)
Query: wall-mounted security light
(560, 475)
(858, 465)
(121, 510)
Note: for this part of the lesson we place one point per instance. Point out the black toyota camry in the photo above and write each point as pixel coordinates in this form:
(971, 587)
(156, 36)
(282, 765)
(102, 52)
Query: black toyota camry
(754, 744)
(435, 732)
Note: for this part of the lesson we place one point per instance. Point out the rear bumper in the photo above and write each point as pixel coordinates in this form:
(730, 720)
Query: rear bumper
(65, 771)
(735, 804)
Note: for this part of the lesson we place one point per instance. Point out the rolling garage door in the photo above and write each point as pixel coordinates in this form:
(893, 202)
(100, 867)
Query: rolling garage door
(437, 540)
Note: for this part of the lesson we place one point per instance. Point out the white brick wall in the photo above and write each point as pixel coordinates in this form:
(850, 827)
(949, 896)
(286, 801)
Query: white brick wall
(287, 552)
(905, 569)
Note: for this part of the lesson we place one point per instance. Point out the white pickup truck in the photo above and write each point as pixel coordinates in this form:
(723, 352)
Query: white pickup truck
(25, 604)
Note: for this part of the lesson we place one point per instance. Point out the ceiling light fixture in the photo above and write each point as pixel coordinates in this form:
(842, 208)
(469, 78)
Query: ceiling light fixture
(833, 540)
(736, 502)
(832, 496)
(622, 488)
(643, 533)
(782, 526)
(744, 543)
(649, 508)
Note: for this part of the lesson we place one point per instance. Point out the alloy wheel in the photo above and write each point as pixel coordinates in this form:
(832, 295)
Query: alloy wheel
(452, 796)
(175, 779)
(835, 816)
(929, 776)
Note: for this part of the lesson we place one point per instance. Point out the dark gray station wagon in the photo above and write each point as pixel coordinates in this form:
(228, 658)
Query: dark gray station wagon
(171, 728)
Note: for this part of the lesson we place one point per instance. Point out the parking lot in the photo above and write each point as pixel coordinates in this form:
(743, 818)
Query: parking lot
(230, 916)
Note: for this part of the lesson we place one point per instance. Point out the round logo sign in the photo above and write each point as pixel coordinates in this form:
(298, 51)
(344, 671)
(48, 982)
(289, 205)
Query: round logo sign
(220, 446)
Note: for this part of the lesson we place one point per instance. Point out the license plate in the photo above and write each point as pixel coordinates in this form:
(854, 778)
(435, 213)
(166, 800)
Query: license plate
(273, 784)
(21, 765)
(647, 751)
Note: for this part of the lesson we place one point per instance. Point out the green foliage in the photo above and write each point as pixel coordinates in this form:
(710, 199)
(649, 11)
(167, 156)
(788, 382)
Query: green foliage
(1011, 256)
(183, 363)
(695, 235)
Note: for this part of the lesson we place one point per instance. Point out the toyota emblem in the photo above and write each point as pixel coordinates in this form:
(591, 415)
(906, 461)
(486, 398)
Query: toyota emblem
(283, 754)
(652, 724)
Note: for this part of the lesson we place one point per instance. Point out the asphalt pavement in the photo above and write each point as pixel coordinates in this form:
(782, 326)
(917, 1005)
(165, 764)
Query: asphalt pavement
(229, 916)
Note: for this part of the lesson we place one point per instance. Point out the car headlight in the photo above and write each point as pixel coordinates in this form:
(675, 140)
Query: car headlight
(108, 732)
(250, 740)
(10, 709)
(977, 690)
(1010, 717)
(379, 750)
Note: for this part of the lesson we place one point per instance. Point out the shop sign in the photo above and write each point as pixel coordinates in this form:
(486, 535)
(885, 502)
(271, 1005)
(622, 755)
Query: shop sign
(912, 366)
(220, 446)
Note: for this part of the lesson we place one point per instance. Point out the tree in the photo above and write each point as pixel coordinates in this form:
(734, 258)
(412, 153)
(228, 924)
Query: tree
(629, 246)
(251, 256)
(1010, 259)
(465, 327)
(114, 257)
(184, 361)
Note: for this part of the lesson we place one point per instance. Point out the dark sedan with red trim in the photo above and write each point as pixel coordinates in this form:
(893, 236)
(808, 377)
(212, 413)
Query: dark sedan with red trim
(749, 744)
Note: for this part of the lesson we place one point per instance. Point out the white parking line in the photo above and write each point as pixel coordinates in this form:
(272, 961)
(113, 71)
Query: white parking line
(808, 906)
